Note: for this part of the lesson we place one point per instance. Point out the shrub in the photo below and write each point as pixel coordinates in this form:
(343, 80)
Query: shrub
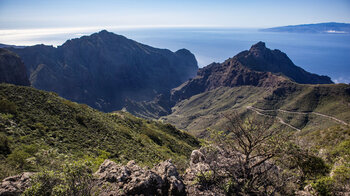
(18, 159)
(78, 178)
(4, 145)
(313, 166)
(8, 107)
(43, 183)
(342, 175)
(75, 179)
(205, 179)
(323, 186)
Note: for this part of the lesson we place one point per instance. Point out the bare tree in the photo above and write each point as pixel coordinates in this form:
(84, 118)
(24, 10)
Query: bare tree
(242, 157)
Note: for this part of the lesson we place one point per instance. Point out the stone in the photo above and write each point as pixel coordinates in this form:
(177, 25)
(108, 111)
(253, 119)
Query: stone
(15, 185)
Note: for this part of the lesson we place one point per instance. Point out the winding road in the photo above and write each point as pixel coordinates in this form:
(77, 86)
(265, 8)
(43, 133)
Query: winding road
(259, 111)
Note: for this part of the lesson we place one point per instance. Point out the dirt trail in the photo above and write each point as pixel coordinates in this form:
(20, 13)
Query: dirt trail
(258, 111)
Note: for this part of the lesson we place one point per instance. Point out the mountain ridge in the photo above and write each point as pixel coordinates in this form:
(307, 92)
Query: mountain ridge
(104, 69)
(258, 66)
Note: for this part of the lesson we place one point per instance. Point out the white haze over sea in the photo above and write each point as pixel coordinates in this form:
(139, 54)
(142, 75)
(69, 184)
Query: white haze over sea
(324, 54)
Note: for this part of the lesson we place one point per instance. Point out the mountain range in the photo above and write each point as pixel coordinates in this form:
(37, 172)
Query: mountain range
(104, 69)
(42, 132)
(259, 80)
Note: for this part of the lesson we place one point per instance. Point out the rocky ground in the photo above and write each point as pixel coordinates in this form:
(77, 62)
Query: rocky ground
(113, 179)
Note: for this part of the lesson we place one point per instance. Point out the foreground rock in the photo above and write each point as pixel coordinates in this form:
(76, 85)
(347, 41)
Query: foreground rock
(15, 185)
(114, 179)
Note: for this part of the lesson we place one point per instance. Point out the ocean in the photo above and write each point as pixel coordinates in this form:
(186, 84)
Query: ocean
(323, 54)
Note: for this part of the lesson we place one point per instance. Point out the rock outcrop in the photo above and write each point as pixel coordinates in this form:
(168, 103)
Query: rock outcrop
(131, 179)
(15, 185)
(12, 69)
(260, 58)
(104, 69)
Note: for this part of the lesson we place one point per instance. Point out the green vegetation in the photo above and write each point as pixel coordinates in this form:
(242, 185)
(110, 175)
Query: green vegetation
(333, 146)
(74, 179)
(332, 100)
(205, 110)
(41, 131)
(260, 160)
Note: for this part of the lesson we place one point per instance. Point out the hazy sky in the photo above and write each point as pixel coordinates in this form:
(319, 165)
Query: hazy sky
(21, 14)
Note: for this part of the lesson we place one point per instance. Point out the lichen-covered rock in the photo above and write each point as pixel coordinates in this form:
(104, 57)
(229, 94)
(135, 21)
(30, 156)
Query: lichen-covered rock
(15, 185)
(168, 173)
(199, 165)
(115, 179)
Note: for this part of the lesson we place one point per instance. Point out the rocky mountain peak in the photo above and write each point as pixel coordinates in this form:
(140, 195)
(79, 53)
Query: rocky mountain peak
(104, 69)
(260, 58)
(258, 46)
(260, 66)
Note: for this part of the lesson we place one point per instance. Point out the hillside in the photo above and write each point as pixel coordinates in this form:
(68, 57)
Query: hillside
(261, 81)
(258, 67)
(299, 107)
(104, 69)
(12, 69)
(36, 125)
(330, 27)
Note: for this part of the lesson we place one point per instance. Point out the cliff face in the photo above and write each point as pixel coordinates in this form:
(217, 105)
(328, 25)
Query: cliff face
(12, 69)
(104, 69)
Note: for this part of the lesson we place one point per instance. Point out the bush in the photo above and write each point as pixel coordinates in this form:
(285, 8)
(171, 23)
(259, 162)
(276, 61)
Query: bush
(205, 179)
(313, 166)
(75, 179)
(8, 107)
(4, 145)
(43, 183)
(19, 157)
(323, 186)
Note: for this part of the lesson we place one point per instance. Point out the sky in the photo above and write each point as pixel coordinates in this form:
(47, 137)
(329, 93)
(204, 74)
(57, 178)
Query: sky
(33, 14)
(52, 22)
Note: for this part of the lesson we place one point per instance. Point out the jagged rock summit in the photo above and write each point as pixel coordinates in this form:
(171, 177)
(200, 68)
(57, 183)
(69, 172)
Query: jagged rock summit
(104, 69)
(12, 69)
(260, 58)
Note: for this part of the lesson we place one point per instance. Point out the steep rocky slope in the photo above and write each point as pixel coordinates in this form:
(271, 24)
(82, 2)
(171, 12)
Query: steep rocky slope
(259, 66)
(104, 69)
(12, 69)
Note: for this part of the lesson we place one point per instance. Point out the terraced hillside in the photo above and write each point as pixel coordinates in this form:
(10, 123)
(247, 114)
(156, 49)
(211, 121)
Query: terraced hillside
(36, 126)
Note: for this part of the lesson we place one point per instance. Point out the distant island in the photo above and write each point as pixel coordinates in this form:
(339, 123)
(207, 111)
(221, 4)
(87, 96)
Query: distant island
(330, 27)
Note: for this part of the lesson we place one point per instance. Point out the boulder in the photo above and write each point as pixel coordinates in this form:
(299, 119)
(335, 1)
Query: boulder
(131, 179)
(15, 185)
